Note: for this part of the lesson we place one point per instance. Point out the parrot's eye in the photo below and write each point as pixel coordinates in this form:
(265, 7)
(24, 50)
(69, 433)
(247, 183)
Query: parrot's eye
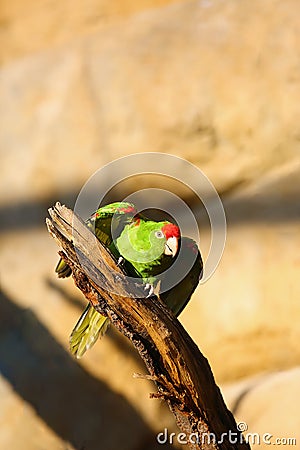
(159, 234)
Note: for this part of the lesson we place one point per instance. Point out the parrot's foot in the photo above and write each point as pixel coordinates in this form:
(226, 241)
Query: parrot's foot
(120, 261)
(148, 287)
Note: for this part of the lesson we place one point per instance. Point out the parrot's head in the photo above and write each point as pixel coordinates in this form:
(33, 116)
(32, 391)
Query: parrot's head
(171, 233)
(148, 241)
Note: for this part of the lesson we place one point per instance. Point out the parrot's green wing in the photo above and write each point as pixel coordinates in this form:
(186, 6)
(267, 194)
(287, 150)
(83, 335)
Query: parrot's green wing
(89, 327)
(190, 261)
(107, 223)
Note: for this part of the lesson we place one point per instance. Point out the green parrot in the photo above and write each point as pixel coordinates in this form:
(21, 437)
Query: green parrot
(146, 249)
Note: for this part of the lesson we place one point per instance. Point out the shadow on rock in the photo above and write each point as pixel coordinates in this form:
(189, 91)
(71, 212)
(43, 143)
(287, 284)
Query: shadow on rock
(78, 407)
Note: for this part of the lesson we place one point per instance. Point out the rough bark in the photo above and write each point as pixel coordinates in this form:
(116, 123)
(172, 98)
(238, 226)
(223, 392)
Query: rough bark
(182, 374)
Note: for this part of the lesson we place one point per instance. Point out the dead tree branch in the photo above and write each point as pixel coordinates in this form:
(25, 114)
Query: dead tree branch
(182, 374)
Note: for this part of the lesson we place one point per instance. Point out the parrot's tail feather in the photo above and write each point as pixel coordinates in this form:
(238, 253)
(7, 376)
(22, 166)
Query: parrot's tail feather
(62, 269)
(88, 329)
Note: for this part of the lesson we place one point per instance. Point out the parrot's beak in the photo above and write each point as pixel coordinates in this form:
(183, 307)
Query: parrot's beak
(171, 246)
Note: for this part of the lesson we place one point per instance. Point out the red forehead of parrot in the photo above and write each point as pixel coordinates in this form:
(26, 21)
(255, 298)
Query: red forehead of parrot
(127, 209)
(171, 230)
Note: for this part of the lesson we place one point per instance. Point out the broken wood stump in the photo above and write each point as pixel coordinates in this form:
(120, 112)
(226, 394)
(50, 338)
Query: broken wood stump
(181, 373)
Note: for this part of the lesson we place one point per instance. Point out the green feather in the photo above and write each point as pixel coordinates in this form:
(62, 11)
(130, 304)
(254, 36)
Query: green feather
(89, 327)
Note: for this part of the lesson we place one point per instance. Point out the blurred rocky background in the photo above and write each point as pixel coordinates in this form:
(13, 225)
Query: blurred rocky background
(82, 83)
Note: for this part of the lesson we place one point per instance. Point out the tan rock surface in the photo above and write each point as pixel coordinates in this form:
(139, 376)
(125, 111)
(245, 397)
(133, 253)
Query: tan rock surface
(51, 23)
(246, 316)
(214, 82)
(268, 405)
(20, 425)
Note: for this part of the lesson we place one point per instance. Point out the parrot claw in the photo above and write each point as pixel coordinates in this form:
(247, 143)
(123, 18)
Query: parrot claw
(119, 263)
(120, 260)
(150, 288)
